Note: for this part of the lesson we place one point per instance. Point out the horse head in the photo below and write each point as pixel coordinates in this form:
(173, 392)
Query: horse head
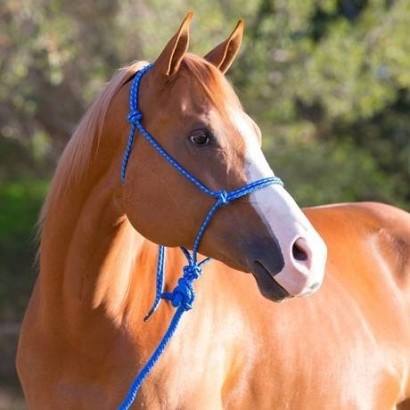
(188, 105)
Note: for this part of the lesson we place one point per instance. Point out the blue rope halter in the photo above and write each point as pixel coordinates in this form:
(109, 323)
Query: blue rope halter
(183, 295)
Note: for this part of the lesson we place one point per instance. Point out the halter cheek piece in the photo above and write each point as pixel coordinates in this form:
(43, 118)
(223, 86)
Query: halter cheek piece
(182, 297)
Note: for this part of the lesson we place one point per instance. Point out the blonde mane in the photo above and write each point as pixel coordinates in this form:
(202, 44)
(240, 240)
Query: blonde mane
(77, 155)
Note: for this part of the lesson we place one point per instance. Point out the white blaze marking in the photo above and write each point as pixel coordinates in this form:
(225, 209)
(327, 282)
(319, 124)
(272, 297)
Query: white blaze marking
(256, 166)
(283, 216)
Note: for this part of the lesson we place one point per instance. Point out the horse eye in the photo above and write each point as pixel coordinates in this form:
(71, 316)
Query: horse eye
(200, 137)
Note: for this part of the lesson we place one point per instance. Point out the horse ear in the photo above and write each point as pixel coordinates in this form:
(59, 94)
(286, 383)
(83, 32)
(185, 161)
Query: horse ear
(170, 59)
(222, 56)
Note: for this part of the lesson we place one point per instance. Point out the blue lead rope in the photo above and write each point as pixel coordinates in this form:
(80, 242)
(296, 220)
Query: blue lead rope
(183, 295)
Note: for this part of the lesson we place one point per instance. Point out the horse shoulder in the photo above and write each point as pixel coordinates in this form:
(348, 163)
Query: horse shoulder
(369, 253)
(363, 307)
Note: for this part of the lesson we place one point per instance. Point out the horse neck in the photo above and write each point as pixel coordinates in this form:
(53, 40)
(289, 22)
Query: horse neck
(92, 261)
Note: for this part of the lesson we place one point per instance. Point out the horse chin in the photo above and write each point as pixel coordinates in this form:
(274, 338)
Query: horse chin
(267, 285)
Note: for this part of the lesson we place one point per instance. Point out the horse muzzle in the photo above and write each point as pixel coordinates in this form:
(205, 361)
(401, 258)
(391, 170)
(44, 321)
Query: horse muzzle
(282, 272)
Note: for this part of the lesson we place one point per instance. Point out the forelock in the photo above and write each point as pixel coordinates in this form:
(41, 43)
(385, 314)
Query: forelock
(212, 82)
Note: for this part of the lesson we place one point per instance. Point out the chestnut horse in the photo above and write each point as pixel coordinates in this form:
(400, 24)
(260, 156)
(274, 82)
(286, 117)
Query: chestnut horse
(84, 339)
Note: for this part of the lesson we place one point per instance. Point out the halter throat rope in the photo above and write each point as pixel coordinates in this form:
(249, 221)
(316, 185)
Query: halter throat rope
(183, 295)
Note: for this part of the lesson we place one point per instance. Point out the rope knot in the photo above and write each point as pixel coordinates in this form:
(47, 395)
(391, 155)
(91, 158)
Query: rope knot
(182, 296)
(223, 197)
(134, 116)
(192, 272)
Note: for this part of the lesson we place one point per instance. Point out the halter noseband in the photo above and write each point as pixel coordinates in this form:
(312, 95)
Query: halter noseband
(183, 295)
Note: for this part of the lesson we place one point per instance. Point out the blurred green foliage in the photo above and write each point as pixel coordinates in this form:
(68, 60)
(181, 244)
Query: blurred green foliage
(20, 202)
(328, 81)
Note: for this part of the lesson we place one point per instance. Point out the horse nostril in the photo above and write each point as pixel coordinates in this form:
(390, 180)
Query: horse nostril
(298, 250)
